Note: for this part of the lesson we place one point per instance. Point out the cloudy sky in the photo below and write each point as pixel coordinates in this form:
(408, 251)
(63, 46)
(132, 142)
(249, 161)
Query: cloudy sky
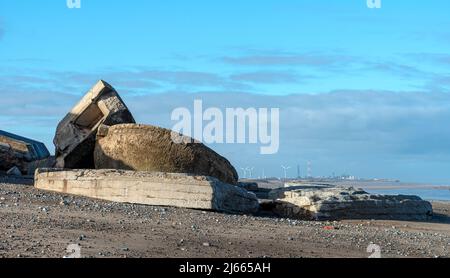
(361, 91)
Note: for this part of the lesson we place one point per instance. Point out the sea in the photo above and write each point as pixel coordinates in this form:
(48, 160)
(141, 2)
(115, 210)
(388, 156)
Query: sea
(430, 194)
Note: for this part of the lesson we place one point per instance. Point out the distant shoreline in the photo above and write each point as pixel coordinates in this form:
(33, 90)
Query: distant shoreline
(429, 192)
(407, 187)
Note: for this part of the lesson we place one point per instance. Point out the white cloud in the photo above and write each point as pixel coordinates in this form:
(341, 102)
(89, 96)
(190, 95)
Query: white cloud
(349, 130)
(366, 133)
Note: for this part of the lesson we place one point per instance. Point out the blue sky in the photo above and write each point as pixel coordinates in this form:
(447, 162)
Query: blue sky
(361, 91)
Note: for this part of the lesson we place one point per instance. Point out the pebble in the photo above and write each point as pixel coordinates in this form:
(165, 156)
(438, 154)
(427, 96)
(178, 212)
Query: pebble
(392, 240)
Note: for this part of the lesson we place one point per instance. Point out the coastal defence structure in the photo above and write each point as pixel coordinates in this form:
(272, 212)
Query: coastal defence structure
(20, 155)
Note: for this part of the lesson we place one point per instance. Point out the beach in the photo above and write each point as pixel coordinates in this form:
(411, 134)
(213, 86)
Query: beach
(42, 224)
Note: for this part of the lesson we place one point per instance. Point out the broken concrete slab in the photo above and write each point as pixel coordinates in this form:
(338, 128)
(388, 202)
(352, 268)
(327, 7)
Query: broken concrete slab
(20, 152)
(149, 188)
(48, 162)
(249, 186)
(14, 171)
(75, 135)
(325, 203)
(150, 148)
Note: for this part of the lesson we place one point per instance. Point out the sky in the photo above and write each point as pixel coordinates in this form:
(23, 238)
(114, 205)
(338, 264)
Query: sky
(361, 91)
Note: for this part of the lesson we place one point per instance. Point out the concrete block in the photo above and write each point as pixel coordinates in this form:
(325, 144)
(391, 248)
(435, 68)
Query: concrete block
(324, 203)
(149, 188)
(76, 133)
(20, 152)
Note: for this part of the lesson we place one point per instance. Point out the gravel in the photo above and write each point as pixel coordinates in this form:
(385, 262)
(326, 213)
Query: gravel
(42, 224)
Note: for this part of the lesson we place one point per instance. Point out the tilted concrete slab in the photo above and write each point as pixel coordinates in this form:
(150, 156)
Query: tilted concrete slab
(149, 188)
(20, 152)
(75, 135)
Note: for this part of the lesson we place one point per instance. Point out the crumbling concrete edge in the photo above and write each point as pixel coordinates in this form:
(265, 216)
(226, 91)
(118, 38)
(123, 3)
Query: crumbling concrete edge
(149, 188)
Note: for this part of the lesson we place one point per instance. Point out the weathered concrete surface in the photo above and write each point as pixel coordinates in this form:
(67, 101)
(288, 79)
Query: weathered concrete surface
(75, 134)
(14, 171)
(322, 203)
(150, 188)
(48, 162)
(249, 186)
(150, 148)
(20, 152)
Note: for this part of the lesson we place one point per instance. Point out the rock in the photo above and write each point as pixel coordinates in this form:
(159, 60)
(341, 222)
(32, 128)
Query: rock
(150, 148)
(149, 188)
(250, 186)
(64, 202)
(75, 135)
(48, 162)
(14, 171)
(347, 203)
(20, 152)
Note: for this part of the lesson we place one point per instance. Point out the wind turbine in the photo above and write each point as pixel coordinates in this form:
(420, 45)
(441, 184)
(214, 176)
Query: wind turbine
(309, 169)
(285, 168)
(250, 170)
(245, 172)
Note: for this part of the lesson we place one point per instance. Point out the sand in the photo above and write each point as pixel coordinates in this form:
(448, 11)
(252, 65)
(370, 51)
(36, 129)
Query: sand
(40, 224)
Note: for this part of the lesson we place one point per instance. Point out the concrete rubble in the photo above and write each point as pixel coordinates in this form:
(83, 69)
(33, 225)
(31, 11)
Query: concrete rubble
(250, 186)
(121, 161)
(20, 154)
(100, 133)
(150, 148)
(14, 171)
(325, 203)
(150, 188)
(76, 133)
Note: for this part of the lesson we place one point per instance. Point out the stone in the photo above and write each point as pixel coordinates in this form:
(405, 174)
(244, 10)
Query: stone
(20, 152)
(14, 171)
(250, 186)
(150, 148)
(75, 135)
(335, 203)
(149, 188)
(48, 162)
